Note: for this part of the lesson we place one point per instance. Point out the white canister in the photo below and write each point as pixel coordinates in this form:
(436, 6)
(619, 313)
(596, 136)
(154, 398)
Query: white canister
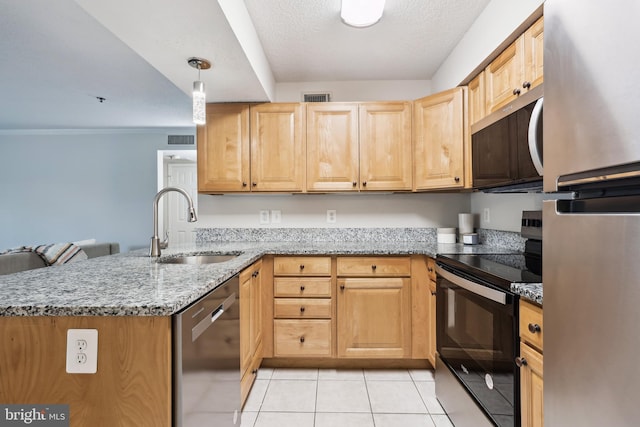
(446, 235)
(465, 223)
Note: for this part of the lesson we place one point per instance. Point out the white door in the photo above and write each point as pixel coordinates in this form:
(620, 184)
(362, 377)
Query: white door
(179, 229)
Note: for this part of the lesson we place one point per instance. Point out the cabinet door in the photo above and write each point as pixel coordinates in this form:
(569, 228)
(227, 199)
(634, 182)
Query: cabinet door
(374, 317)
(385, 146)
(332, 147)
(277, 147)
(531, 387)
(432, 323)
(477, 98)
(439, 140)
(256, 307)
(223, 149)
(503, 76)
(534, 54)
(245, 320)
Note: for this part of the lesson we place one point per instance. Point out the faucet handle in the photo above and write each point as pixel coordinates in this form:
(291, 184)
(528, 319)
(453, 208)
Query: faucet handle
(164, 243)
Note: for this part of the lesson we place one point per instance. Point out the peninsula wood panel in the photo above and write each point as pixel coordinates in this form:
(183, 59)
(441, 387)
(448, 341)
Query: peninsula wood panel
(223, 149)
(132, 386)
(385, 146)
(277, 147)
(439, 140)
(420, 316)
(332, 147)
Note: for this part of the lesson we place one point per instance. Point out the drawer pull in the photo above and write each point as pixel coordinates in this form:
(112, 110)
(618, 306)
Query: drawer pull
(254, 372)
(516, 91)
(433, 293)
(301, 266)
(301, 288)
(520, 362)
(430, 270)
(342, 287)
(302, 339)
(534, 327)
(301, 309)
(373, 267)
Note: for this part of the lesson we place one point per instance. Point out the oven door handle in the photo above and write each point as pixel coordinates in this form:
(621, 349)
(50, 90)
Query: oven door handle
(476, 288)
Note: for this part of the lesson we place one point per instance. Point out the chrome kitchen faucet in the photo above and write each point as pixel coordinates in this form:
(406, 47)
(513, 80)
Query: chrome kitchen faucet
(154, 250)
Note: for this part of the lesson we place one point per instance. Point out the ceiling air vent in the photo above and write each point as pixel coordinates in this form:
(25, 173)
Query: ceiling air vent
(181, 140)
(316, 97)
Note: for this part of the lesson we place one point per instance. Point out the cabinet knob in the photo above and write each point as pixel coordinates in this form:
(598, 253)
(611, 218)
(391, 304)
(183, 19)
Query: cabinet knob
(364, 183)
(430, 270)
(254, 372)
(534, 328)
(255, 184)
(433, 293)
(301, 266)
(302, 339)
(354, 183)
(244, 184)
(516, 91)
(301, 309)
(456, 179)
(520, 362)
(342, 287)
(526, 85)
(373, 267)
(301, 288)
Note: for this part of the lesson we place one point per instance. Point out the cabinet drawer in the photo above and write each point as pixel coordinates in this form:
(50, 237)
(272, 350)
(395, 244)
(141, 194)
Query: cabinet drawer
(302, 266)
(301, 287)
(311, 338)
(302, 308)
(374, 266)
(531, 327)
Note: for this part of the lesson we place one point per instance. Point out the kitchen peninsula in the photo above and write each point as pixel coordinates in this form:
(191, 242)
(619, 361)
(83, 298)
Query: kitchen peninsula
(130, 298)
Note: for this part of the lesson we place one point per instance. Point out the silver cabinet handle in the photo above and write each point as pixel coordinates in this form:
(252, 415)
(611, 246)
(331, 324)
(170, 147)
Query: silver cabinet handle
(204, 324)
(476, 288)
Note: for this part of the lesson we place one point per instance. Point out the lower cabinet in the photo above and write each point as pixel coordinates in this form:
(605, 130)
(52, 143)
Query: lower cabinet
(250, 326)
(531, 365)
(431, 352)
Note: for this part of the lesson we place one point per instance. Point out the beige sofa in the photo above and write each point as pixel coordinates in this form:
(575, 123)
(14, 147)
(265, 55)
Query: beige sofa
(21, 261)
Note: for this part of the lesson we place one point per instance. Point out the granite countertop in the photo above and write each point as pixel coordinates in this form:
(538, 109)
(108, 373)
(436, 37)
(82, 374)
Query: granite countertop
(133, 284)
(529, 291)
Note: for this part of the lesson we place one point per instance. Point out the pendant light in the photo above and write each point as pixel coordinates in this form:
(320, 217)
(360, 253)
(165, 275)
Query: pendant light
(199, 95)
(361, 13)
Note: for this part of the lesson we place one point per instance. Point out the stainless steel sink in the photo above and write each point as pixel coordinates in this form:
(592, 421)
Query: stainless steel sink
(197, 259)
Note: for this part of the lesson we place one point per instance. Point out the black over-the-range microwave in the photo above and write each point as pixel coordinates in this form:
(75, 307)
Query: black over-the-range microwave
(506, 146)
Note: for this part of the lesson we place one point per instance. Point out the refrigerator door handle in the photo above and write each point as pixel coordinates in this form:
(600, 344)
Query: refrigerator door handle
(534, 146)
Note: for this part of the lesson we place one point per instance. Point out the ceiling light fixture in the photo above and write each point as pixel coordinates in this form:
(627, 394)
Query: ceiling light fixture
(199, 95)
(361, 13)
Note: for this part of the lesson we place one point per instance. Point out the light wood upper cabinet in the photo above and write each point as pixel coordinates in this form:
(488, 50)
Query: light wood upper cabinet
(223, 149)
(534, 54)
(477, 98)
(332, 147)
(517, 69)
(439, 140)
(503, 77)
(277, 147)
(385, 146)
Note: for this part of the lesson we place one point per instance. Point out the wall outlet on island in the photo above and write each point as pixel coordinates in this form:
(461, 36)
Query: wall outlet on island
(82, 351)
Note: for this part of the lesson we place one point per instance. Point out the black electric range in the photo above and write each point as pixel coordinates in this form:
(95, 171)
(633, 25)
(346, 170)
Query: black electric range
(499, 270)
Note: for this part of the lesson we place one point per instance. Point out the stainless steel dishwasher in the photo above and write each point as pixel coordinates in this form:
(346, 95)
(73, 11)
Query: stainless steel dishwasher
(206, 360)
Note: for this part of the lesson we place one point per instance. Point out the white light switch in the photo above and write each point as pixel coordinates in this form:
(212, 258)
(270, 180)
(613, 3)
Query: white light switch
(82, 351)
(276, 217)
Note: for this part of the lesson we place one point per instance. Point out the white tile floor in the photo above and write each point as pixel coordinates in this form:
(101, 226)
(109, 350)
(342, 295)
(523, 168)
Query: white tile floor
(343, 398)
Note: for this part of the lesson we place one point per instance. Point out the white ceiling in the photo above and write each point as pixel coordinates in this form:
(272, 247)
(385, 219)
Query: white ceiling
(57, 57)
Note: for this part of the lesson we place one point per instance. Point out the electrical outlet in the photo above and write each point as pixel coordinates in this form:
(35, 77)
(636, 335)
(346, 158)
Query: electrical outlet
(331, 216)
(82, 351)
(276, 217)
(486, 215)
(264, 217)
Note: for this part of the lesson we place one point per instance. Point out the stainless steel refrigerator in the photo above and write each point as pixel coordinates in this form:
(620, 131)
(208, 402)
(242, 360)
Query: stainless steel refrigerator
(591, 252)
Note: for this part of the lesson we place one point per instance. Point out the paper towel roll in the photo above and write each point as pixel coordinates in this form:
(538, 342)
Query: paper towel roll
(465, 223)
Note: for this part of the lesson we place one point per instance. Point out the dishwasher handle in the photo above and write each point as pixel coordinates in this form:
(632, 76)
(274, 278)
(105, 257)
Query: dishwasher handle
(208, 320)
